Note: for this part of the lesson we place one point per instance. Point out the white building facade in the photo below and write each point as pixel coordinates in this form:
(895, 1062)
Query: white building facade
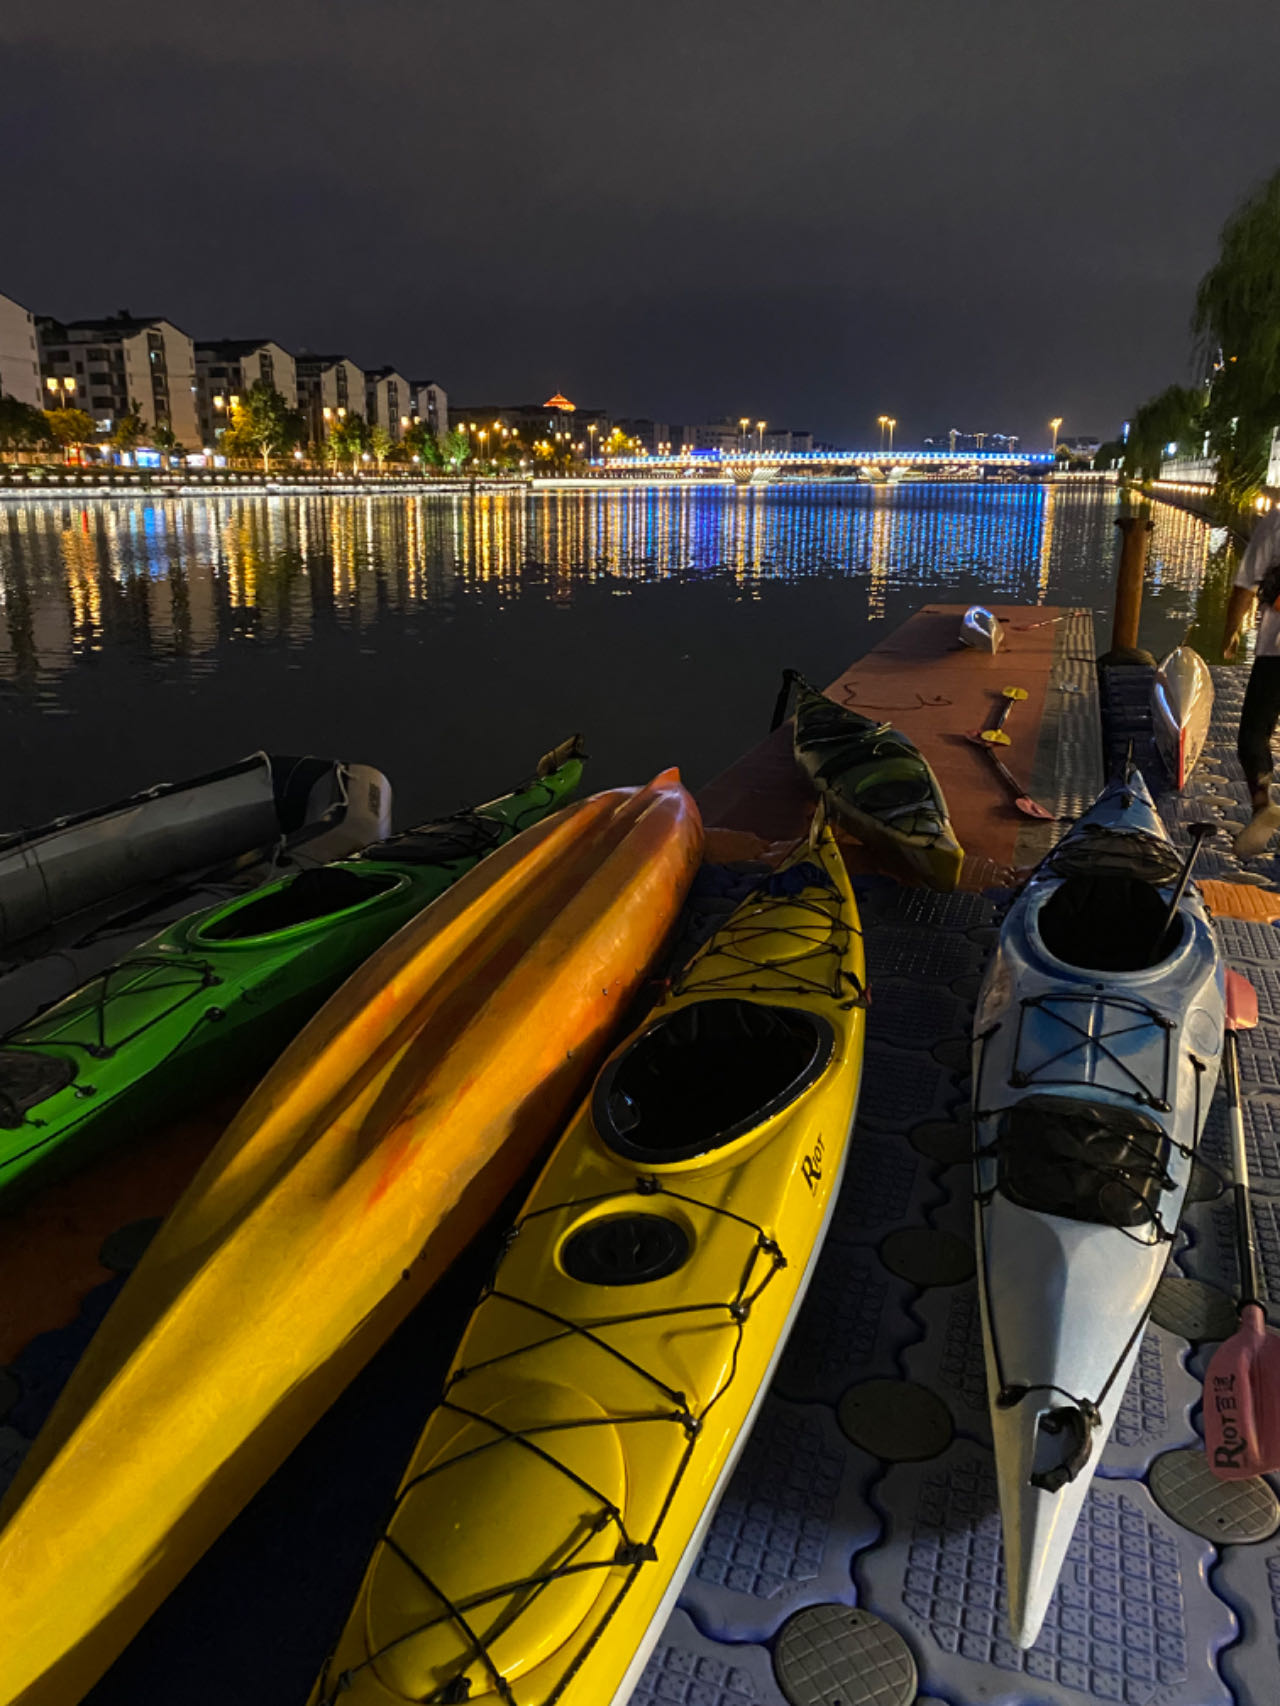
(106, 367)
(431, 405)
(228, 368)
(19, 354)
(329, 386)
(388, 400)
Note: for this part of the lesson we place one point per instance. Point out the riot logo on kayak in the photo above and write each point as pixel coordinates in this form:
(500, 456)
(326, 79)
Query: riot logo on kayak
(811, 1166)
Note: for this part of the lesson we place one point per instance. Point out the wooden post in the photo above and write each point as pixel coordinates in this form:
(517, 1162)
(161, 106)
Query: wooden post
(1133, 562)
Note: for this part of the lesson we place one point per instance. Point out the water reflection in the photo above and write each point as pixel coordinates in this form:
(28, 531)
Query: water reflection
(110, 602)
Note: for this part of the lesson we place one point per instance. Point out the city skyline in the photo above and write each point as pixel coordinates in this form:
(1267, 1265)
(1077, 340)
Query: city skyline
(678, 214)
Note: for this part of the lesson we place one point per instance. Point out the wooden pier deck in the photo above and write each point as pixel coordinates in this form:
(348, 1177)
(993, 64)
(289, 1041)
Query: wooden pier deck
(921, 679)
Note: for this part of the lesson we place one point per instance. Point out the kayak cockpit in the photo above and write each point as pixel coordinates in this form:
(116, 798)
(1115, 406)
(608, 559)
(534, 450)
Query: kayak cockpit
(1082, 1160)
(705, 1075)
(309, 897)
(1109, 922)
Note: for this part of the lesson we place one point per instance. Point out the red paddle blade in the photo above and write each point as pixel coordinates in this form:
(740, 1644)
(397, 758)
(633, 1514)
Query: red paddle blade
(1242, 1002)
(1242, 1401)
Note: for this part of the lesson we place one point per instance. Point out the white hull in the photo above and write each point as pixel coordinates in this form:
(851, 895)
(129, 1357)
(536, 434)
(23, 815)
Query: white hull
(1181, 710)
(1091, 1085)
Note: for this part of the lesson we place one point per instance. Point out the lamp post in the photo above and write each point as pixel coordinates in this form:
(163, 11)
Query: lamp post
(1054, 424)
(591, 434)
(760, 426)
(890, 422)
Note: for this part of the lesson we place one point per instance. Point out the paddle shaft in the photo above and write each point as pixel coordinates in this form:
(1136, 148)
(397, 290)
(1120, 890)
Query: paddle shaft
(1250, 1278)
(1199, 833)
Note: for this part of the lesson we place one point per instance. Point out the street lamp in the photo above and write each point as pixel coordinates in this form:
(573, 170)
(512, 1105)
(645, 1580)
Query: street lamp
(760, 426)
(591, 434)
(1054, 424)
(62, 389)
(890, 422)
(882, 421)
(743, 426)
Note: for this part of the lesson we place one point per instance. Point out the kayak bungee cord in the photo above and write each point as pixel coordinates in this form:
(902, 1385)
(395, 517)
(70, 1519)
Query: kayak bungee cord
(734, 940)
(1084, 1416)
(203, 977)
(632, 1554)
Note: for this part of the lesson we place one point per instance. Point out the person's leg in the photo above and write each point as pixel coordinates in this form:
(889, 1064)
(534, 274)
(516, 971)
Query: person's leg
(1258, 717)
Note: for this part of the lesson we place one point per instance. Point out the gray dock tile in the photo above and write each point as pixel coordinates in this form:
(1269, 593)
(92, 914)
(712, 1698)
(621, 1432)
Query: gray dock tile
(787, 1527)
(1133, 1619)
(686, 1669)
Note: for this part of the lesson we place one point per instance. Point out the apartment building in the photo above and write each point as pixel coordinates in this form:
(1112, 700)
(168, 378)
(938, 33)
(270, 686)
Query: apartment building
(329, 386)
(388, 398)
(19, 354)
(106, 367)
(227, 369)
(430, 404)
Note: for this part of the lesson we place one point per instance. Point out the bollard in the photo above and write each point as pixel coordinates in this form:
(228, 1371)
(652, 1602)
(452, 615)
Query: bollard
(1133, 561)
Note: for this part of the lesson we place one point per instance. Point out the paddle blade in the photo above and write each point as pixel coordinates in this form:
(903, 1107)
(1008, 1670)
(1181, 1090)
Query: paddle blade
(1242, 1002)
(1242, 1401)
(1032, 808)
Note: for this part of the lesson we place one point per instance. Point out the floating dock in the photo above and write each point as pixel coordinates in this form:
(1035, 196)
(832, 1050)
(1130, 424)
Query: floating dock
(855, 1559)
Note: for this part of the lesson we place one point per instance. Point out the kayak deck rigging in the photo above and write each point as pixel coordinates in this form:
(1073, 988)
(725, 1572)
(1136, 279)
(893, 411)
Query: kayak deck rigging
(631, 1552)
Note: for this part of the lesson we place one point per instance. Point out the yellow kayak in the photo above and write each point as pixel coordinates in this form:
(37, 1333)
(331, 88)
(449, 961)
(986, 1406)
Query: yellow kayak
(610, 1372)
(385, 1136)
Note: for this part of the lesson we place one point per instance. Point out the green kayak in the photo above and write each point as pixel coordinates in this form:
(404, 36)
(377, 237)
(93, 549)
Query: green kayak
(877, 783)
(212, 999)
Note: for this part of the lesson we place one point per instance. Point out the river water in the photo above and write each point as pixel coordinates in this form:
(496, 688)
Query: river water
(451, 640)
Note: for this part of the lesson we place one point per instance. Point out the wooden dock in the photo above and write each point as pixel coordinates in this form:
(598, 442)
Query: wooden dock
(922, 680)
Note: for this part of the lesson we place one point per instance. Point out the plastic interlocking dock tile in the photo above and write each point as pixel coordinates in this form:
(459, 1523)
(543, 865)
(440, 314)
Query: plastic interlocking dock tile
(1210, 1250)
(1133, 1619)
(886, 1184)
(853, 1326)
(931, 955)
(1261, 1141)
(1248, 1578)
(686, 1669)
(1246, 943)
(903, 1087)
(787, 1526)
(915, 1015)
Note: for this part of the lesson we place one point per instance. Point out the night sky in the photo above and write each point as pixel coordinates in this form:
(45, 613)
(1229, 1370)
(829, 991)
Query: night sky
(810, 211)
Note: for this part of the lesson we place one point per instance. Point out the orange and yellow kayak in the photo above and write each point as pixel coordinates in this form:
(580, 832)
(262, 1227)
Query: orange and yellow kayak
(376, 1148)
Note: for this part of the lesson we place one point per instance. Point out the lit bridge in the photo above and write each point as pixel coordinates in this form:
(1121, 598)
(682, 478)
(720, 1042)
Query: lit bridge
(876, 467)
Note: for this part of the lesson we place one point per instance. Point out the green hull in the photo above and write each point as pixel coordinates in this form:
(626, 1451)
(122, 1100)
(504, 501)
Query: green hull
(879, 784)
(209, 1002)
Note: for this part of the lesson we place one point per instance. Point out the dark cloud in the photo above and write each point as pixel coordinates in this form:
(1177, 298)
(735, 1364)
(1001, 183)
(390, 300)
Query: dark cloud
(973, 214)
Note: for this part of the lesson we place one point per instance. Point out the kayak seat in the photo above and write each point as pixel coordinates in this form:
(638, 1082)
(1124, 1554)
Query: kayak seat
(706, 1074)
(1108, 922)
(28, 1078)
(320, 893)
(1082, 1160)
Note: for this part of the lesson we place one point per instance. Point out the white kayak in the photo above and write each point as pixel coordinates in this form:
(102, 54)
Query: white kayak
(1181, 708)
(981, 630)
(1097, 1037)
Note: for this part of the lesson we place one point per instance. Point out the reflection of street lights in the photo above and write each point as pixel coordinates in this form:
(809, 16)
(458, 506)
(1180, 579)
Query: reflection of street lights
(1054, 424)
(760, 426)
